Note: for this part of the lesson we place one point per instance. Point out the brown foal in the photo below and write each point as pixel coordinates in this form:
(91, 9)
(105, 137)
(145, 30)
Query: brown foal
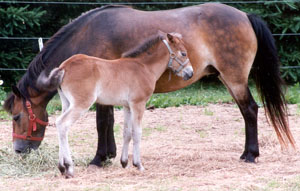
(129, 81)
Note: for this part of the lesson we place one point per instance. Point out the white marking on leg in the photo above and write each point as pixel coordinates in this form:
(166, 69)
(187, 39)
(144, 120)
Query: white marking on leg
(127, 133)
(137, 114)
(62, 124)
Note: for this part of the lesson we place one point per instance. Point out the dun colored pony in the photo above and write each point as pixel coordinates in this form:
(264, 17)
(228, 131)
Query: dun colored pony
(130, 81)
(219, 40)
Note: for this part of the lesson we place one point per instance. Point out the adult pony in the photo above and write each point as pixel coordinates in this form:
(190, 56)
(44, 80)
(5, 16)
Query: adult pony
(219, 39)
(129, 81)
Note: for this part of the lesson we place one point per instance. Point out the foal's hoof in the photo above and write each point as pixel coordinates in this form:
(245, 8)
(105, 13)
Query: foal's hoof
(66, 170)
(139, 167)
(124, 163)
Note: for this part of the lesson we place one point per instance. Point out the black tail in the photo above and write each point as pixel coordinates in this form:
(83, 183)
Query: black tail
(51, 82)
(268, 81)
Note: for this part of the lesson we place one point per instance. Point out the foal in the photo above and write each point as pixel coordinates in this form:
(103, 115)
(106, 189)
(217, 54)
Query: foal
(129, 81)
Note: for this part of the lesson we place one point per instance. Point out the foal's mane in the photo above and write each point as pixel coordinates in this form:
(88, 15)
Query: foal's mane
(39, 63)
(144, 46)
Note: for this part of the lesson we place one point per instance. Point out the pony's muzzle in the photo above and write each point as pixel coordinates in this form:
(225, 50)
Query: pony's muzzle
(188, 73)
(25, 146)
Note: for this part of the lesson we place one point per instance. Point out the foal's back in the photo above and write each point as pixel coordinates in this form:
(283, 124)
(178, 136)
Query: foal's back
(111, 82)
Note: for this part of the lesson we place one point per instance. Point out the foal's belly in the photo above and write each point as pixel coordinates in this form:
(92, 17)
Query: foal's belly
(112, 96)
(112, 99)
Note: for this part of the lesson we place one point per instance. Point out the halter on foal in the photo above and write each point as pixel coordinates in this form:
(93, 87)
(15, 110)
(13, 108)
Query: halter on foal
(129, 81)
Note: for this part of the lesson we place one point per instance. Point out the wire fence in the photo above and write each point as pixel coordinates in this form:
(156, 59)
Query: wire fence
(139, 3)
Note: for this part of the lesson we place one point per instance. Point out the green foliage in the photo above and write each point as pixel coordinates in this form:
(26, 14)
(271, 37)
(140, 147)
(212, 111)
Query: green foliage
(282, 18)
(293, 94)
(17, 21)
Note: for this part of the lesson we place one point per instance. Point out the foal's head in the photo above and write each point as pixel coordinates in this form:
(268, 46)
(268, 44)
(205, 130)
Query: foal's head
(179, 63)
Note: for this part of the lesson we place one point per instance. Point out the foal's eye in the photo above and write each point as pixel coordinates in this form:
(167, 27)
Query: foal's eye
(16, 117)
(183, 54)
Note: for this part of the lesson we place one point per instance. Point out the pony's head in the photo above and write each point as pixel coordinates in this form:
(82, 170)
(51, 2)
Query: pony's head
(29, 120)
(179, 62)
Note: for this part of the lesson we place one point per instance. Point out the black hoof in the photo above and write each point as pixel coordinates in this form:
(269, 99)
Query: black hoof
(112, 155)
(98, 161)
(62, 169)
(124, 163)
(249, 156)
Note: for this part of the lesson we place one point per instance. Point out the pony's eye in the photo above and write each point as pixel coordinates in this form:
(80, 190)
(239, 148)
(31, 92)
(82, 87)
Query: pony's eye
(16, 117)
(183, 54)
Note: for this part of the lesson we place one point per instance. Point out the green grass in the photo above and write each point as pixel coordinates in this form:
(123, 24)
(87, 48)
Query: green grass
(200, 93)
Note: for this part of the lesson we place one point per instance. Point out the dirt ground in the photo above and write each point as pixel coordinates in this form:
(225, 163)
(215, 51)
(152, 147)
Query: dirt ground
(184, 148)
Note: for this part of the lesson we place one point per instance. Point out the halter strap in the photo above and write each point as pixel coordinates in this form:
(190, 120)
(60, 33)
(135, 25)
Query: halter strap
(174, 57)
(31, 126)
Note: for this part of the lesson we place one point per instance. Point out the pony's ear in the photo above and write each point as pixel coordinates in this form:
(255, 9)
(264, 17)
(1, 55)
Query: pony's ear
(16, 91)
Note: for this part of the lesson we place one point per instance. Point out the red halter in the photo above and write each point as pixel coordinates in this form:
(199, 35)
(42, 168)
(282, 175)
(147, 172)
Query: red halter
(32, 125)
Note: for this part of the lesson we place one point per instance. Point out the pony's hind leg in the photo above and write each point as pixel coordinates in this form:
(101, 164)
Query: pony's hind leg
(63, 122)
(127, 134)
(248, 107)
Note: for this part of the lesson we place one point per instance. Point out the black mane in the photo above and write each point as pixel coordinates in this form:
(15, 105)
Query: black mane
(39, 63)
(143, 47)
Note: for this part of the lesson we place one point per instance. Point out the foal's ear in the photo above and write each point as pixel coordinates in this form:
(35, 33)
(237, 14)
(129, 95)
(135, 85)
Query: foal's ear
(16, 91)
(170, 37)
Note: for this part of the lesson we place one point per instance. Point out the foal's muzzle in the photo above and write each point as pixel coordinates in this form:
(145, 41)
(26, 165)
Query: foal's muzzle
(188, 73)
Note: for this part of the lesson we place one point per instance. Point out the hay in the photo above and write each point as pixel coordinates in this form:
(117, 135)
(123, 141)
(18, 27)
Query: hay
(183, 149)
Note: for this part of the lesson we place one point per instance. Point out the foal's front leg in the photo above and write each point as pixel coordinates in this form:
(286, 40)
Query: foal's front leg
(127, 134)
(63, 122)
(137, 115)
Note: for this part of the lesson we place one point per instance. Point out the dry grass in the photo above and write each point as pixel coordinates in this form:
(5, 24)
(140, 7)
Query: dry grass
(183, 148)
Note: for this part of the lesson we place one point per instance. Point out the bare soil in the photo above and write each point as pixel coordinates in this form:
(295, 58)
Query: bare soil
(183, 148)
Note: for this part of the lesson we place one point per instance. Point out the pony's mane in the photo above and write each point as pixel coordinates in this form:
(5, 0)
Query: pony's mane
(39, 63)
(143, 47)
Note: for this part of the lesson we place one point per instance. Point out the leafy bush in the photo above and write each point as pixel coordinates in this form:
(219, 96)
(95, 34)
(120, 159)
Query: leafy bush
(17, 21)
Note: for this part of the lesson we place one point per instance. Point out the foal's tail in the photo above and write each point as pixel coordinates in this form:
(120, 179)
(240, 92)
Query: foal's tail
(268, 81)
(51, 82)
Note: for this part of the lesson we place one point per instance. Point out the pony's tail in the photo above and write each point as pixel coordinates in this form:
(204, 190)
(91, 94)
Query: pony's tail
(270, 85)
(51, 82)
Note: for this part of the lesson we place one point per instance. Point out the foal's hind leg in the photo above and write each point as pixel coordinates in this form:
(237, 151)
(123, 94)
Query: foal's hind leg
(248, 107)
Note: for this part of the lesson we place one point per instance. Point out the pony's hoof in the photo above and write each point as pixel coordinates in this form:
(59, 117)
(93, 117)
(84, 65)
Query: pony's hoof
(249, 157)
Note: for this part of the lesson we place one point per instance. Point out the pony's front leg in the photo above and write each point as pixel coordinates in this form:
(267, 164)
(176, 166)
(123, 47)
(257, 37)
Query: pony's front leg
(65, 164)
(137, 115)
(127, 134)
